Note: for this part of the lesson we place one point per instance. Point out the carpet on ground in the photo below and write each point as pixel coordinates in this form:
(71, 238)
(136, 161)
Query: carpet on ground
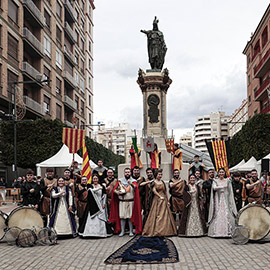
(145, 250)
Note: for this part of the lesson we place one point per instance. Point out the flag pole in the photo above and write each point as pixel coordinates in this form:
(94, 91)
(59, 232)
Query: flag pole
(173, 152)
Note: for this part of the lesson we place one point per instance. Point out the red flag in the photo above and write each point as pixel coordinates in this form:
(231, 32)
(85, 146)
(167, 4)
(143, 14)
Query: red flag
(73, 138)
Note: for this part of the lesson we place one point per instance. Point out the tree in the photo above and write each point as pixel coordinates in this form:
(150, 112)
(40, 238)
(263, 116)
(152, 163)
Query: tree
(252, 140)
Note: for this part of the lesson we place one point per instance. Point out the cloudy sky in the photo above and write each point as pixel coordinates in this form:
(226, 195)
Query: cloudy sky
(205, 40)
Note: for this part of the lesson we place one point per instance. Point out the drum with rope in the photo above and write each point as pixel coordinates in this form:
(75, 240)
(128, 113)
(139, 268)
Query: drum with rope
(3, 225)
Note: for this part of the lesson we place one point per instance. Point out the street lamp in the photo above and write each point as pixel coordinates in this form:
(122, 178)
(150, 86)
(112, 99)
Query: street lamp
(14, 118)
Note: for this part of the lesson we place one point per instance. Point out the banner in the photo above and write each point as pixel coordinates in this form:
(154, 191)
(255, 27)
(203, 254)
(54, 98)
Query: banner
(148, 144)
(86, 170)
(73, 139)
(219, 152)
(134, 142)
(169, 145)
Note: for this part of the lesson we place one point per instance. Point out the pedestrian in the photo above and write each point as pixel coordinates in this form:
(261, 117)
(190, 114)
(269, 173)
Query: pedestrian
(3, 189)
(237, 190)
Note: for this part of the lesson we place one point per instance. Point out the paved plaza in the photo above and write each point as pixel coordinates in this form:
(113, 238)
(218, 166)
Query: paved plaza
(80, 254)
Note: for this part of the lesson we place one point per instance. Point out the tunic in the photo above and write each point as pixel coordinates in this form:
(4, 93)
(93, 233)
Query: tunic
(237, 185)
(254, 194)
(45, 202)
(135, 159)
(177, 160)
(176, 199)
(30, 198)
(110, 183)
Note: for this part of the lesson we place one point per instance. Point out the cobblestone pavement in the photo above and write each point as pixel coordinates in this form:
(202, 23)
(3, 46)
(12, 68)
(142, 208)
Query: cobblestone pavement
(83, 254)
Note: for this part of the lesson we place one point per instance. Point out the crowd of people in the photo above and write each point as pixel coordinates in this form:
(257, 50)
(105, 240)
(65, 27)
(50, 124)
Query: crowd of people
(134, 204)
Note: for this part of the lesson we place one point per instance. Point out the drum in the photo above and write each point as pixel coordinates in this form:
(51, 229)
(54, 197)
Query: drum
(25, 218)
(12, 235)
(257, 219)
(2, 225)
(26, 238)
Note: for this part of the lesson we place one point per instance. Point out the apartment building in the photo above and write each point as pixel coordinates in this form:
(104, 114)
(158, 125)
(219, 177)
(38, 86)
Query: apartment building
(207, 127)
(48, 40)
(257, 52)
(186, 139)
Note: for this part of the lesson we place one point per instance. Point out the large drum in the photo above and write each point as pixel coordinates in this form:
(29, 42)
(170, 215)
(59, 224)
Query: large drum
(257, 219)
(25, 218)
(2, 225)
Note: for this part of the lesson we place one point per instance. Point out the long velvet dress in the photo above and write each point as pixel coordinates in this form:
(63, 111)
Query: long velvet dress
(160, 221)
(192, 222)
(222, 210)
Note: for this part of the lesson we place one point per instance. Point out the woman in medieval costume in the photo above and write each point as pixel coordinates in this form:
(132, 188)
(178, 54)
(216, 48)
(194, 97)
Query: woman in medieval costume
(192, 221)
(95, 219)
(222, 210)
(61, 216)
(160, 221)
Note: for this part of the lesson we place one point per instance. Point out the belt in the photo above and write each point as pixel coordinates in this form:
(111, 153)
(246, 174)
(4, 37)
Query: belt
(129, 200)
(255, 197)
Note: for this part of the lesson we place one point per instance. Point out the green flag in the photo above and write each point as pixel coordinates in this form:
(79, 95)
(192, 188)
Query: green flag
(134, 141)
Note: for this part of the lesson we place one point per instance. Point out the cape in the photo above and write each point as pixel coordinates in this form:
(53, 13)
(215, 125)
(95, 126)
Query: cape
(136, 217)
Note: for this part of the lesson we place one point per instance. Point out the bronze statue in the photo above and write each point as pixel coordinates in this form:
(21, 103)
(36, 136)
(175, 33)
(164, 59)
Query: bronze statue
(156, 46)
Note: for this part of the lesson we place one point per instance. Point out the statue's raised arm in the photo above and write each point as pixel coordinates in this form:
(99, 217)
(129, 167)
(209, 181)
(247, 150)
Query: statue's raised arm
(156, 46)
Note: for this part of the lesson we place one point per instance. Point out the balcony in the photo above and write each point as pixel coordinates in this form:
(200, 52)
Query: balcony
(261, 92)
(33, 105)
(263, 66)
(67, 123)
(265, 110)
(70, 103)
(33, 41)
(69, 55)
(70, 33)
(33, 12)
(70, 14)
(31, 71)
(69, 79)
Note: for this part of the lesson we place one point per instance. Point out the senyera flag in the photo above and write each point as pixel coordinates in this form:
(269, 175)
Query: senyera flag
(169, 145)
(219, 152)
(86, 170)
(73, 138)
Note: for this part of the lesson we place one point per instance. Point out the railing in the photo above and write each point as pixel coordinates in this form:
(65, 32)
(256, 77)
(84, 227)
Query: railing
(69, 77)
(262, 87)
(70, 102)
(266, 109)
(26, 67)
(69, 54)
(10, 195)
(70, 9)
(33, 40)
(70, 31)
(262, 62)
(32, 104)
(34, 9)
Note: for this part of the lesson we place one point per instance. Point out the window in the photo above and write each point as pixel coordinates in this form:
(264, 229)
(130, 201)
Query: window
(76, 77)
(82, 44)
(264, 36)
(77, 14)
(89, 46)
(76, 36)
(58, 10)
(89, 101)
(46, 105)
(13, 47)
(254, 91)
(76, 59)
(90, 119)
(256, 49)
(82, 25)
(58, 34)
(82, 107)
(47, 18)
(12, 11)
(58, 86)
(89, 82)
(89, 64)
(77, 102)
(68, 67)
(248, 79)
(82, 66)
(47, 47)
(47, 75)
(58, 59)
(12, 77)
(58, 111)
(249, 99)
(82, 85)
(82, 5)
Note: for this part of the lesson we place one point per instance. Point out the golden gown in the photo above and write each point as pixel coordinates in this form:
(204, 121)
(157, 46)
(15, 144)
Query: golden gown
(160, 221)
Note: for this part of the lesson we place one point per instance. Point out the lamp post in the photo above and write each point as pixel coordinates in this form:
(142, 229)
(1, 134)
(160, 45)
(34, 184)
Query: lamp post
(14, 118)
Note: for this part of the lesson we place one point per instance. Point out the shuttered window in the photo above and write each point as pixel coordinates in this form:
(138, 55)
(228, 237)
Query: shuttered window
(47, 18)
(12, 46)
(58, 9)
(58, 86)
(12, 11)
(68, 67)
(58, 111)
(47, 74)
(58, 34)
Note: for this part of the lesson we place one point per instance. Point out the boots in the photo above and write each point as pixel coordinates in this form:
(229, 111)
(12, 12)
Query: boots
(130, 228)
(123, 223)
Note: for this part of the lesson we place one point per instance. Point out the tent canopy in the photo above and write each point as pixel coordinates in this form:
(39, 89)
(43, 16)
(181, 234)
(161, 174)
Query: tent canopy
(62, 159)
(235, 168)
(249, 165)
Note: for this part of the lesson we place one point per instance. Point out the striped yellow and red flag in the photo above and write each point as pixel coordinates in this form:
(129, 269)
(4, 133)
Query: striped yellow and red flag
(169, 145)
(86, 170)
(73, 138)
(218, 151)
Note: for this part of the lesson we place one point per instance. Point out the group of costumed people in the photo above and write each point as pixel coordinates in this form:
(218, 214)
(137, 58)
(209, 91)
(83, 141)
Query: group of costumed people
(108, 205)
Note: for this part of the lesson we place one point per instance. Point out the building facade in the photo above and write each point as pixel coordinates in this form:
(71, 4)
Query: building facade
(186, 139)
(48, 40)
(257, 52)
(207, 127)
(238, 118)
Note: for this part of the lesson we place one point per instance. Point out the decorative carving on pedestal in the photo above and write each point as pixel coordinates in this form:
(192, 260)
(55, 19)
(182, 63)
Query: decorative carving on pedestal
(153, 112)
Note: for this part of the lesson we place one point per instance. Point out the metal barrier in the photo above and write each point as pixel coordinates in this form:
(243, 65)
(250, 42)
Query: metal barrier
(10, 195)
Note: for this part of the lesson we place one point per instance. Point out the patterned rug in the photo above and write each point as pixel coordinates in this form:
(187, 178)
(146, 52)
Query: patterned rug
(145, 250)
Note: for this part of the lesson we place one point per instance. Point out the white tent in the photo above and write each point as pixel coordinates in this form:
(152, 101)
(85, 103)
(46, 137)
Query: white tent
(62, 159)
(235, 168)
(249, 165)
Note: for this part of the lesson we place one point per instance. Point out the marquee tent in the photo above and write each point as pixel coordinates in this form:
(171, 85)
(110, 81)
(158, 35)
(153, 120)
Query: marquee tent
(61, 160)
(235, 168)
(249, 165)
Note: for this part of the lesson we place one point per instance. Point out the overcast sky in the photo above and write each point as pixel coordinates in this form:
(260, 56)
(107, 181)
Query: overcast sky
(205, 40)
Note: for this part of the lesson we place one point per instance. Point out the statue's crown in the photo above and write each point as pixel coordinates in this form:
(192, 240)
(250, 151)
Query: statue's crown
(155, 20)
